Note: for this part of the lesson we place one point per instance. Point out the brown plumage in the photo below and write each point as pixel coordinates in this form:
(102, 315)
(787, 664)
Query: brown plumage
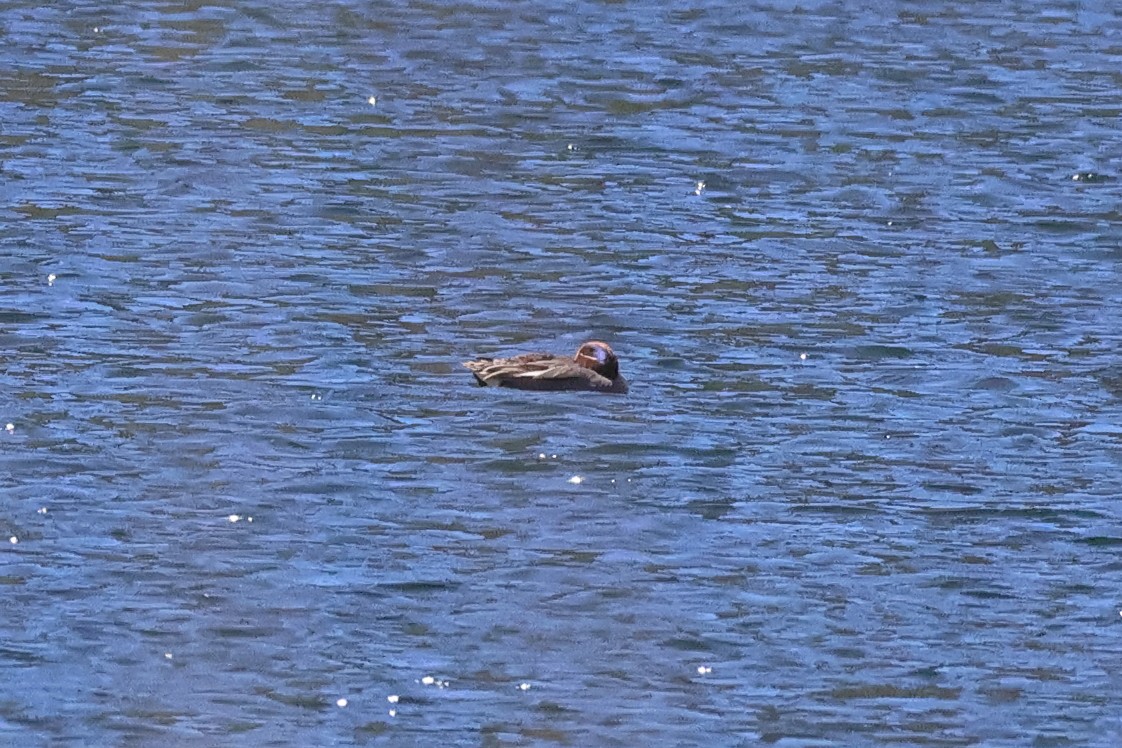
(594, 368)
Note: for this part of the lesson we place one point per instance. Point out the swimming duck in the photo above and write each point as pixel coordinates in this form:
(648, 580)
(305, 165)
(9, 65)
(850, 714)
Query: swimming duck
(595, 368)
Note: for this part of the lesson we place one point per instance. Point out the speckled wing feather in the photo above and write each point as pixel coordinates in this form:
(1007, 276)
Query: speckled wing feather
(536, 371)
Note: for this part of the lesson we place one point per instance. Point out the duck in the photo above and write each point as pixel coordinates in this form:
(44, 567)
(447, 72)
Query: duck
(594, 368)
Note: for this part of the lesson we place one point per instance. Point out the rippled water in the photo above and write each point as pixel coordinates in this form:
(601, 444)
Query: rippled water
(862, 270)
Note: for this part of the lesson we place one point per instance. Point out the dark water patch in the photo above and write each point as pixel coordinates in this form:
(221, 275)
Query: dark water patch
(1102, 541)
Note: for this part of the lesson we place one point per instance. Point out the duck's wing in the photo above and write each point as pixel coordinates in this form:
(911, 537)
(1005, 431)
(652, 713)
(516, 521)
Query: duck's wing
(491, 371)
(536, 371)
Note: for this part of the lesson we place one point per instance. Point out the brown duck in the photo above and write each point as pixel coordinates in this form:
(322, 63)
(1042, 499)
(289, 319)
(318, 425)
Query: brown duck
(595, 368)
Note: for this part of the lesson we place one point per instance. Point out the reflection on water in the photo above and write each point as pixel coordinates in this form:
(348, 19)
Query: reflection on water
(859, 266)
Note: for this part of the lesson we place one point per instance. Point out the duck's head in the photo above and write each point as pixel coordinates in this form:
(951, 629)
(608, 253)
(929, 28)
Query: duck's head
(599, 357)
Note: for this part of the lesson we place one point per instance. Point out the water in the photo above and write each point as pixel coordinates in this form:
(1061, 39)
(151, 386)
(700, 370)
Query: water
(863, 491)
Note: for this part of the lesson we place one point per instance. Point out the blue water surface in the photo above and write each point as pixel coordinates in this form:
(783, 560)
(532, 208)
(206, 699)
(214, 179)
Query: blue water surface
(861, 267)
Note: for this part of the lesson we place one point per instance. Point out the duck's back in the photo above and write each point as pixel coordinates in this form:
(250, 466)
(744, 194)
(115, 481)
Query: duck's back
(540, 372)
